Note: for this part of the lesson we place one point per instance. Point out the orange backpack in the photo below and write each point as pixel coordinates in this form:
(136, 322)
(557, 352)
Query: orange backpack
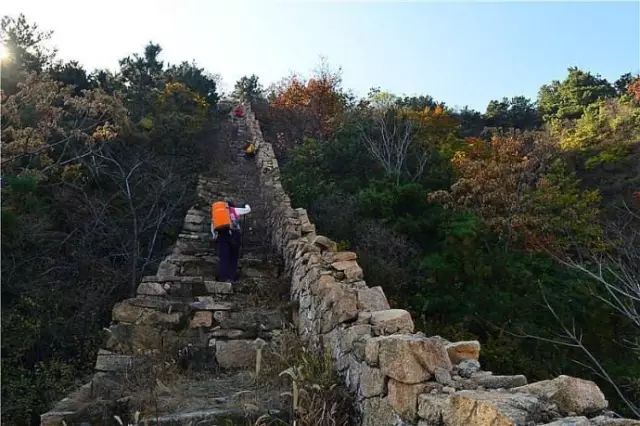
(220, 215)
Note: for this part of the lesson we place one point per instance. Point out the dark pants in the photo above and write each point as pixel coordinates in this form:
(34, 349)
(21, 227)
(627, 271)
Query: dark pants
(228, 252)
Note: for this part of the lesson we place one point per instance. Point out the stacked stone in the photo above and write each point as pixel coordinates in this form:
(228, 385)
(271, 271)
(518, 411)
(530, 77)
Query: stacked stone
(209, 325)
(397, 376)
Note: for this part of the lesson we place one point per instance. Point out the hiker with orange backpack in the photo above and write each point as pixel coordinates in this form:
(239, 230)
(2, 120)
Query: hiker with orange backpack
(225, 230)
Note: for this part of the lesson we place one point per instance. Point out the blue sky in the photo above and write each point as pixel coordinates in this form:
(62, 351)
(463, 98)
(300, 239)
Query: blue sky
(463, 53)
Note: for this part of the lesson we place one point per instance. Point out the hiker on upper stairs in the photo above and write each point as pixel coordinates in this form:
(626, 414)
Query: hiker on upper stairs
(225, 229)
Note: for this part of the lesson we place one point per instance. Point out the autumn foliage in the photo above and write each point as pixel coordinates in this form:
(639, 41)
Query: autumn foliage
(308, 108)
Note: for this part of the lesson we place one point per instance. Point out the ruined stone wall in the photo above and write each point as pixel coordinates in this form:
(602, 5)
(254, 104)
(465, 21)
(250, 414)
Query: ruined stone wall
(398, 376)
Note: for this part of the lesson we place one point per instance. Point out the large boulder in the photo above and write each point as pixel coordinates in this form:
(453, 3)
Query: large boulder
(403, 398)
(571, 394)
(389, 321)
(431, 407)
(377, 411)
(372, 299)
(460, 351)
(495, 409)
(411, 359)
(371, 382)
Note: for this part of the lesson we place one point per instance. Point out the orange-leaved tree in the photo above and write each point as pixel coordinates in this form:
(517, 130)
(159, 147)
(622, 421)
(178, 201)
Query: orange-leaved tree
(308, 108)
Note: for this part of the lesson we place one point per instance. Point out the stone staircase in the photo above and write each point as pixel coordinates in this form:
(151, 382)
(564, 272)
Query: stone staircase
(183, 351)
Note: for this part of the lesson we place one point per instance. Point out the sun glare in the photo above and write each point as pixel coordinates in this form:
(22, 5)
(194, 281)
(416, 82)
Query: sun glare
(4, 52)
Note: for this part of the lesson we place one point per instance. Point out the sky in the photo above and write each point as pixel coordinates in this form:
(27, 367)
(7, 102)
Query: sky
(459, 52)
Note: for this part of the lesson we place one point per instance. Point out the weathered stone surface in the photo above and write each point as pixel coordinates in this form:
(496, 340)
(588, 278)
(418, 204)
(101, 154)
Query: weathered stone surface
(443, 376)
(494, 408)
(372, 299)
(403, 398)
(610, 421)
(325, 243)
(235, 353)
(216, 287)
(201, 319)
(337, 304)
(496, 382)
(167, 269)
(131, 339)
(467, 367)
(411, 359)
(343, 256)
(112, 362)
(151, 289)
(570, 421)
(371, 382)
(343, 265)
(127, 313)
(391, 321)
(371, 350)
(572, 395)
(208, 303)
(377, 412)
(460, 351)
(431, 407)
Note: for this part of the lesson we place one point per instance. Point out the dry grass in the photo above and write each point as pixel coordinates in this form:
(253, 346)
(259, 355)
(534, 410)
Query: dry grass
(317, 394)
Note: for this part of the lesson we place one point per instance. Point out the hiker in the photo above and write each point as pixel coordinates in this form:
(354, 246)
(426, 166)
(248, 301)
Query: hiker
(249, 150)
(225, 229)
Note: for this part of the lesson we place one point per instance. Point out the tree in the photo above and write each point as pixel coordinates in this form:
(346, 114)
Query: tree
(308, 108)
(143, 78)
(196, 79)
(471, 122)
(569, 98)
(517, 112)
(24, 43)
(248, 89)
(623, 82)
(71, 73)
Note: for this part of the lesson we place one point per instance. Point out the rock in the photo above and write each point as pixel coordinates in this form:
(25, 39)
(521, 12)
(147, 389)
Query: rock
(371, 382)
(410, 359)
(235, 353)
(353, 273)
(324, 243)
(208, 303)
(372, 299)
(610, 421)
(132, 339)
(167, 269)
(343, 256)
(467, 367)
(151, 289)
(337, 304)
(460, 351)
(431, 407)
(570, 421)
(443, 376)
(448, 389)
(572, 395)
(377, 411)
(495, 409)
(496, 382)
(216, 287)
(371, 350)
(343, 265)
(112, 362)
(391, 321)
(403, 398)
(127, 313)
(228, 333)
(201, 319)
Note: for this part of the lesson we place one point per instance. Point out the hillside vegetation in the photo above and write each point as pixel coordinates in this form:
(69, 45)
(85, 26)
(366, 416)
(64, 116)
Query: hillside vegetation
(519, 226)
(97, 173)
